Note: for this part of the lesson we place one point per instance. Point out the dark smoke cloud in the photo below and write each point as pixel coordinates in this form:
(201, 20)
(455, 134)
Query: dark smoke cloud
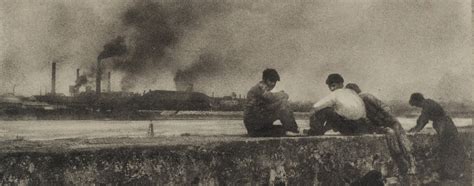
(206, 66)
(155, 28)
(390, 48)
(35, 33)
(116, 47)
(82, 80)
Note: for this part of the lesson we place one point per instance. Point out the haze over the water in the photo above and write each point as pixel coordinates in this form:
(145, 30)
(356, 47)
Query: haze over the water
(390, 48)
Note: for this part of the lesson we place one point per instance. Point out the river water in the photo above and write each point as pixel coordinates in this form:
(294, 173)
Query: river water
(60, 129)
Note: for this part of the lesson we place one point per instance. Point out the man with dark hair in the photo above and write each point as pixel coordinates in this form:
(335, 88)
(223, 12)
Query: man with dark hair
(342, 111)
(451, 151)
(368, 96)
(378, 114)
(264, 107)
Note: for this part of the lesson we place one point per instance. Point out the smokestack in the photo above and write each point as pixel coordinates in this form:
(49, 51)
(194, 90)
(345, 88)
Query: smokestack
(98, 78)
(53, 79)
(108, 83)
(77, 75)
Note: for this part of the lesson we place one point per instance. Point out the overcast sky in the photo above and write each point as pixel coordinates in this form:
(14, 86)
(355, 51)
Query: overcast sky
(390, 48)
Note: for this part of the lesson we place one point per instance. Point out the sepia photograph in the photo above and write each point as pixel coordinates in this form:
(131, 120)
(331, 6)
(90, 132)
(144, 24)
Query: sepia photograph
(236, 92)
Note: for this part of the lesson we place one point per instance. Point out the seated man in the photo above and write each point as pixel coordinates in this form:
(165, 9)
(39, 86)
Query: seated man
(342, 110)
(264, 107)
(379, 116)
(451, 151)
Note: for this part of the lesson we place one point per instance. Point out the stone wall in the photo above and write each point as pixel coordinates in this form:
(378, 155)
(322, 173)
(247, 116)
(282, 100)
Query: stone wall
(255, 161)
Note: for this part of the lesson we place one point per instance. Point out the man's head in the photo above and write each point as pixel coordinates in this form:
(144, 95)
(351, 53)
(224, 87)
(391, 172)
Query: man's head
(416, 99)
(335, 81)
(353, 87)
(270, 77)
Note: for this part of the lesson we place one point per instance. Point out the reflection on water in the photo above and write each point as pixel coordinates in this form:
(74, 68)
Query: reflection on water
(44, 130)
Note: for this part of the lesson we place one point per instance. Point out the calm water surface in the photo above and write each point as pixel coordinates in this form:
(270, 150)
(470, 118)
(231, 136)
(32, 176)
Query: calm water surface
(46, 130)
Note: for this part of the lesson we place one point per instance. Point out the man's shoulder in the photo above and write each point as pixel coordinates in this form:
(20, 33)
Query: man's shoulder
(369, 96)
(339, 91)
(346, 92)
(430, 101)
(256, 88)
(429, 104)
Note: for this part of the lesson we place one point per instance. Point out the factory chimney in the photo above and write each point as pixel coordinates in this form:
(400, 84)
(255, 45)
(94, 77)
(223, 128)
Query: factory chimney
(98, 78)
(108, 83)
(53, 79)
(74, 89)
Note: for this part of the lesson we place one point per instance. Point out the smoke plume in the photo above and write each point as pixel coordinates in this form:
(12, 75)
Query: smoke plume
(154, 29)
(206, 66)
(116, 47)
(82, 80)
(390, 48)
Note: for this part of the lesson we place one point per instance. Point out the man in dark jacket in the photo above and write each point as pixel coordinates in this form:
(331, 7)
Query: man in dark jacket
(378, 114)
(264, 107)
(451, 151)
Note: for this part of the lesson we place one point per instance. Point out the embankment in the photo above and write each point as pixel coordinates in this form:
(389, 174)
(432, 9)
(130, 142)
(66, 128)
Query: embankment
(218, 160)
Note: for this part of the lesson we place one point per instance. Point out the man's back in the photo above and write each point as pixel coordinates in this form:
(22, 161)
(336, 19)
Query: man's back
(375, 100)
(378, 112)
(258, 100)
(254, 97)
(432, 110)
(345, 102)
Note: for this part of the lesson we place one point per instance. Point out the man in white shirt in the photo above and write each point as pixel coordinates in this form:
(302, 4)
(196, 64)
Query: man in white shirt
(342, 111)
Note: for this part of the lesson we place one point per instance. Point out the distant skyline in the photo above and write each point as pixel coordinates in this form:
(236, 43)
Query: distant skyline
(390, 48)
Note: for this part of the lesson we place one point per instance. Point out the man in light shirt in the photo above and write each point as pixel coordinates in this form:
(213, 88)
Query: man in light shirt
(342, 111)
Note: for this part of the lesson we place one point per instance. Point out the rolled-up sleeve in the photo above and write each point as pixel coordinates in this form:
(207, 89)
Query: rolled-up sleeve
(327, 101)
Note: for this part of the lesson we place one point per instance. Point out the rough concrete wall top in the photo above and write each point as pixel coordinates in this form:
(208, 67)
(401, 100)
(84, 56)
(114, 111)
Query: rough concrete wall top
(210, 161)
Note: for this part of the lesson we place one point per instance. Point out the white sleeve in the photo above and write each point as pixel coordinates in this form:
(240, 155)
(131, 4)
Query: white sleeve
(327, 101)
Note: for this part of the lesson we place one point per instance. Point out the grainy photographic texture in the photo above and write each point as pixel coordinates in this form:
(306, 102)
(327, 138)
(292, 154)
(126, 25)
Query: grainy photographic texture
(155, 92)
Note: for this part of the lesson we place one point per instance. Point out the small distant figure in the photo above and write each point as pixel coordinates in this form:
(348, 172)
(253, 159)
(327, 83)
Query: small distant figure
(451, 151)
(342, 111)
(151, 131)
(264, 107)
(378, 114)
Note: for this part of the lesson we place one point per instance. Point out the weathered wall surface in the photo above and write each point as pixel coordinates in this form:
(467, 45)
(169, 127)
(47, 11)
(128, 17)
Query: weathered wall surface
(294, 161)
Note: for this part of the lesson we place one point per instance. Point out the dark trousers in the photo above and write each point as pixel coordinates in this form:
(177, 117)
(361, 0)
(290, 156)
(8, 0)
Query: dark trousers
(400, 148)
(261, 124)
(452, 154)
(268, 131)
(397, 142)
(327, 119)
